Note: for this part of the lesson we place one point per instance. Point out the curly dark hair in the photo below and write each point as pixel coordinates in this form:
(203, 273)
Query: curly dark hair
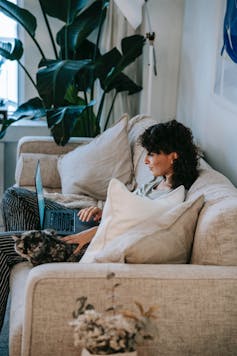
(172, 136)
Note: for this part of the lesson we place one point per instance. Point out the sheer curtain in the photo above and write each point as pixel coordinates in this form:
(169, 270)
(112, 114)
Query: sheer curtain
(115, 28)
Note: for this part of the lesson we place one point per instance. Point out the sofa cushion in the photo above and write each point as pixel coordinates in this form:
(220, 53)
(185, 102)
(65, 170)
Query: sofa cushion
(26, 167)
(215, 241)
(89, 168)
(165, 240)
(124, 212)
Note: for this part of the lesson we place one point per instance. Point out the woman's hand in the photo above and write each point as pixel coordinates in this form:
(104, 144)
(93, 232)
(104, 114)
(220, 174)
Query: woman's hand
(93, 212)
(82, 238)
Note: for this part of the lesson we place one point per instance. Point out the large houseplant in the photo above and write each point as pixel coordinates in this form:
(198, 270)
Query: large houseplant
(66, 83)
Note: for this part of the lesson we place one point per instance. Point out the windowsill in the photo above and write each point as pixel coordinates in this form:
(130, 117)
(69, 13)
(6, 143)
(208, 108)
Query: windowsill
(26, 127)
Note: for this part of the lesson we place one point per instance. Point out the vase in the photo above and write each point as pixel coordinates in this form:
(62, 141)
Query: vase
(87, 353)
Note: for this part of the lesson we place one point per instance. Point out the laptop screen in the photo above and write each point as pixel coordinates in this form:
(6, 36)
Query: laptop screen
(40, 196)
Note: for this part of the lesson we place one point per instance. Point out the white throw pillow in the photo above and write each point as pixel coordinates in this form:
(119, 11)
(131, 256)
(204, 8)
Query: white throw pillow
(89, 168)
(164, 240)
(124, 210)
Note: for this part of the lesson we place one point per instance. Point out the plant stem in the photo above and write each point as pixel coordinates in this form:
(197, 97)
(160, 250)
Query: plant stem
(49, 30)
(28, 74)
(100, 108)
(97, 46)
(110, 111)
(87, 128)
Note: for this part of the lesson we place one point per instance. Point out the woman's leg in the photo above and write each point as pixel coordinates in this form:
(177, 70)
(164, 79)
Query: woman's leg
(8, 258)
(20, 209)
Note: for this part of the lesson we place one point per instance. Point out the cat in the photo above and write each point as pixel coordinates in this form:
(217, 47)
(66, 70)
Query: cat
(44, 246)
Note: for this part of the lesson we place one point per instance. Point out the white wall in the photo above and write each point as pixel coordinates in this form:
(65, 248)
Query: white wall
(213, 121)
(167, 22)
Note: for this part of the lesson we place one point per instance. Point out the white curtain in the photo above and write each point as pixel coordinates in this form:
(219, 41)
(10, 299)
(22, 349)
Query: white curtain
(115, 28)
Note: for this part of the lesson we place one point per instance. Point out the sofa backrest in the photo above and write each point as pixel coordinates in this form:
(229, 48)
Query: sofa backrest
(31, 148)
(215, 239)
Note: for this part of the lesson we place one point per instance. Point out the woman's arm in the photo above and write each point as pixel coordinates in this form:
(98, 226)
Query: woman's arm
(81, 238)
(89, 213)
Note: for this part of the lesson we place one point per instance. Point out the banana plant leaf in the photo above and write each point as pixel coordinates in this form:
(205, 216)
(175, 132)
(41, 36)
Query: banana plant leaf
(123, 83)
(86, 50)
(132, 47)
(53, 80)
(87, 125)
(5, 123)
(22, 16)
(62, 121)
(11, 51)
(65, 10)
(82, 26)
(33, 107)
(105, 63)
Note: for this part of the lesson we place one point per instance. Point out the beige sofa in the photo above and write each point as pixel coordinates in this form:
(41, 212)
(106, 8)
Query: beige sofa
(197, 301)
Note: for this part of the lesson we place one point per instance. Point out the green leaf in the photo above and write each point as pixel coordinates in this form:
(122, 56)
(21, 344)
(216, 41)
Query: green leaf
(62, 121)
(132, 47)
(71, 96)
(82, 26)
(105, 63)
(86, 50)
(123, 83)
(11, 51)
(87, 125)
(22, 16)
(65, 10)
(33, 107)
(53, 80)
(4, 126)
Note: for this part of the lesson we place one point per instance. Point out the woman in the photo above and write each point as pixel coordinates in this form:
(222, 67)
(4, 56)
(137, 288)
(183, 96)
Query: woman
(172, 158)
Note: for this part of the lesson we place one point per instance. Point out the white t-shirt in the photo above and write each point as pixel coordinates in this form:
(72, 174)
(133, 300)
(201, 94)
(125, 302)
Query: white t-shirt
(149, 189)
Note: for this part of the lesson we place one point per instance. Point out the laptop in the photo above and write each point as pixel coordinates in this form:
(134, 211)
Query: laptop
(64, 221)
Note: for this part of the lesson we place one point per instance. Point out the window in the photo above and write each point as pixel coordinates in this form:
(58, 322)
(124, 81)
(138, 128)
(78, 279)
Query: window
(8, 69)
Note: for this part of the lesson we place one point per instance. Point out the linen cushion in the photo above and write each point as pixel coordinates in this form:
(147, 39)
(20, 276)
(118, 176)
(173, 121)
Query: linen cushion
(26, 167)
(89, 168)
(215, 240)
(167, 239)
(125, 211)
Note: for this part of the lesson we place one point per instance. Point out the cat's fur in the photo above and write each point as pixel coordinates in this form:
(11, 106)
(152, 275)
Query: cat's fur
(44, 246)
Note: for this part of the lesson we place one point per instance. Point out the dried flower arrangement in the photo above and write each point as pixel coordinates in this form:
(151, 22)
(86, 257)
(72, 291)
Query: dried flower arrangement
(113, 331)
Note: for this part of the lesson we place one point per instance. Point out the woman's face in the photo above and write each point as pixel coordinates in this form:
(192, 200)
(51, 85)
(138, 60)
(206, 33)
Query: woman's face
(160, 164)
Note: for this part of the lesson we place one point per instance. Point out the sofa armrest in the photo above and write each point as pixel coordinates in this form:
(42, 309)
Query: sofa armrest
(197, 305)
(30, 149)
(47, 145)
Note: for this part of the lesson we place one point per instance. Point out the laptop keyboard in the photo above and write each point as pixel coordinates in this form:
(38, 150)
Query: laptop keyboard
(61, 221)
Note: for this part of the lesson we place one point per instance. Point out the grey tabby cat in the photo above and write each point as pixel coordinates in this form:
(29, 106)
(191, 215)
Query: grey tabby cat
(44, 246)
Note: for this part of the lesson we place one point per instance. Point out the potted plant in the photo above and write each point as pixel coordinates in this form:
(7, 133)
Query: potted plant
(66, 83)
(114, 331)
